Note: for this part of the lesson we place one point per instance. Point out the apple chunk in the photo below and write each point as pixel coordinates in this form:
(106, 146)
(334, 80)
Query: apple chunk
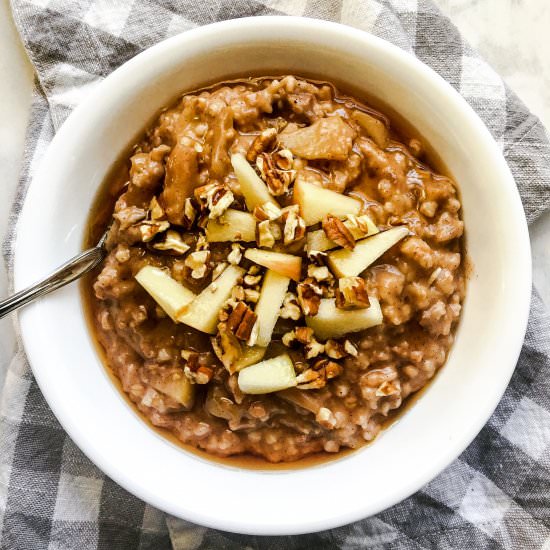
(269, 304)
(284, 264)
(177, 386)
(170, 295)
(268, 376)
(374, 128)
(202, 313)
(232, 225)
(316, 202)
(332, 322)
(318, 240)
(349, 263)
(254, 190)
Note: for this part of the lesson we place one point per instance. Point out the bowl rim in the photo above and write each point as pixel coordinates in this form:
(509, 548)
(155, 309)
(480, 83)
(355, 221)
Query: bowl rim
(522, 300)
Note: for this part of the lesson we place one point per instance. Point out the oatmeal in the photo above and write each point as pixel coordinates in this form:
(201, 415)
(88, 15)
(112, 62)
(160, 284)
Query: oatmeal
(284, 270)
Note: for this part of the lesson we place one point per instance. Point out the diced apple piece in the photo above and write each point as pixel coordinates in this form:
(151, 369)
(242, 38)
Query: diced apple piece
(284, 264)
(253, 188)
(374, 128)
(349, 263)
(268, 376)
(250, 356)
(269, 304)
(318, 240)
(232, 225)
(170, 295)
(178, 387)
(332, 322)
(202, 313)
(316, 202)
(327, 138)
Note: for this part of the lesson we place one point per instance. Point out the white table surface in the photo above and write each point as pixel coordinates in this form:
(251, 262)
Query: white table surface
(511, 34)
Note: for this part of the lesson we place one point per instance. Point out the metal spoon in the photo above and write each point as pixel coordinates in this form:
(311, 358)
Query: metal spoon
(67, 273)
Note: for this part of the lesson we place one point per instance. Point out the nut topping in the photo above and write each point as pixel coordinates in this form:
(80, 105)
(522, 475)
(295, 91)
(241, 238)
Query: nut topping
(277, 180)
(263, 142)
(265, 237)
(294, 225)
(173, 242)
(226, 346)
(217, 198)
(309, 297)
(236, 255)
(197, 368)
(317, 376)
(198, 263)
(149, 229)
(336, 231)
(267, 211)
(291, 309)
(352, 293)
(241, 321)
(189, 213)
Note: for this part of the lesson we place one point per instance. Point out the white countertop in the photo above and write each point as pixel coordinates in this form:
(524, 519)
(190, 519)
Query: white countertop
(511, 34)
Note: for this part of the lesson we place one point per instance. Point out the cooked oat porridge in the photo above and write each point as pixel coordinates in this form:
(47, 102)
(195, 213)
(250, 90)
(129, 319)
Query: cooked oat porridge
(284, 270)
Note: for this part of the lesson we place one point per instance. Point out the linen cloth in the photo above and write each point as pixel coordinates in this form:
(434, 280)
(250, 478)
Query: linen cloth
(494, 496)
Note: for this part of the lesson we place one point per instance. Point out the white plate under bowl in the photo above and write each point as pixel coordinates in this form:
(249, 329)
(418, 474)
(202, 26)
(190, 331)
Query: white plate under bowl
(429, 436)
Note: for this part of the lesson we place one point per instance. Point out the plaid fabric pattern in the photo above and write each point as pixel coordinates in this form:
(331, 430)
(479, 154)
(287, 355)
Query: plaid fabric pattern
(494, 496)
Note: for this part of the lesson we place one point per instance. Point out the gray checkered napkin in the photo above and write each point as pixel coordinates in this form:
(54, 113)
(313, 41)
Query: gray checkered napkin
(494, 496)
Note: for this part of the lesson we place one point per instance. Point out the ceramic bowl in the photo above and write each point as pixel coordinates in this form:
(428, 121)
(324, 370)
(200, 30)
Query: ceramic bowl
(429, 436)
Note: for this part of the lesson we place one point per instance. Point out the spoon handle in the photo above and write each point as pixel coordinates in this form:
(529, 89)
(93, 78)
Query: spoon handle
(68, 272)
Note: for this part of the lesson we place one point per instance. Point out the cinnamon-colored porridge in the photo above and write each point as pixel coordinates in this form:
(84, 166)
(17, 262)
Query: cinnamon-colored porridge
(284, 270)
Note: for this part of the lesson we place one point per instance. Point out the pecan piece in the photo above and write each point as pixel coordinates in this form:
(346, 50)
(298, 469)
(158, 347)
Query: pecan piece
(198, 263)
(197, 368)
(318, 375)
(294, 225)
(149, 229)
(277, 180)
(336, 231)
(241, 321)
(189, 214)
(263, 142)
(352, 293)
(226, 346)
(291, 309)
(309, 297)
(265, 237)
(267, 211)
(215, 197)
(172, 243)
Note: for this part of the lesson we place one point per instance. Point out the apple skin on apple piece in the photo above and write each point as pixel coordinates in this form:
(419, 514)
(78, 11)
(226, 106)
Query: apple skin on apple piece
(269, 304)
(349, 263)
(170, 295)
(318, 240)
(316, 202)
(268, 376)
(253, 188)
(284, 264)
(202, 313)
(232, 226)
(332, 322)
(249, 356)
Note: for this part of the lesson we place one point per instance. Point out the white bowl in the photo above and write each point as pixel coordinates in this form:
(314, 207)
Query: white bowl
(429, 436)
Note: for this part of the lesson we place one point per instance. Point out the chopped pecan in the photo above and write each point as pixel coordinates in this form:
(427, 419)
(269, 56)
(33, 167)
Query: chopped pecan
(251, 280)
(149, 229)
(263, 142)
(267, 211)
(350, 348)
(241, 321)
(336, 231)
(317, 257)
(283, 159)
(359, 226)
(198, 262)
(189, 213)
(265, 237)
(335, 349)
(251, 295)
(304, 335)
(319, 272)
(309, 297)
(198, 367)
(352, 293)
(173, 243)
(236, 255)
(226, 346)
(290, 308)
(317, 376)
(277, 180)
(294, 225)
(216, 197)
